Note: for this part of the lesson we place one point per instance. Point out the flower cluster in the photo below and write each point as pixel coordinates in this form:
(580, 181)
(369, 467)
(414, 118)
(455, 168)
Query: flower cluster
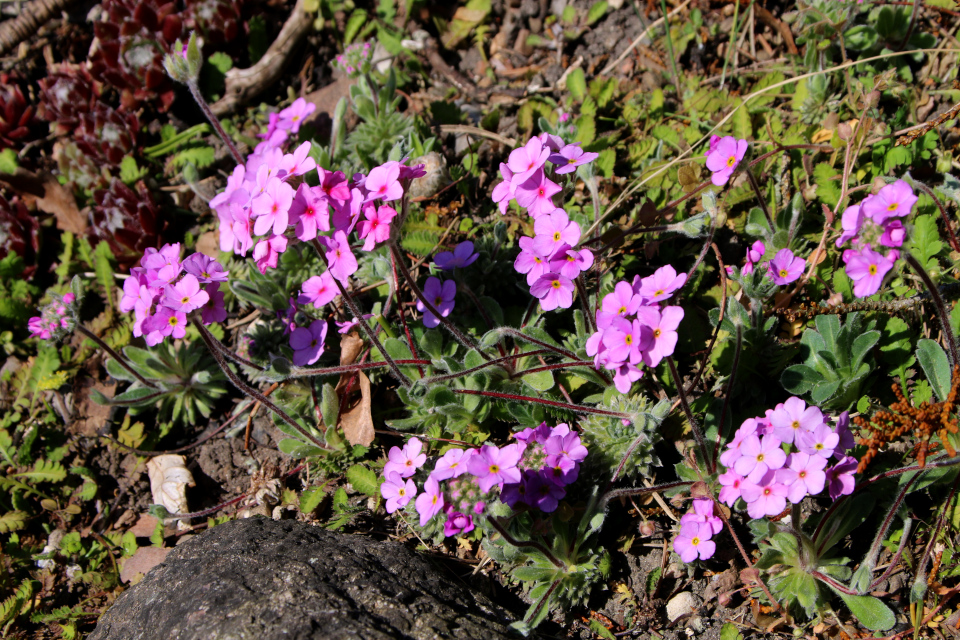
(696, 530)
(55, 320)
(783, 458)
(633, 328)
(783, 268)
(723, 157)
(281, 126)
(532, 472)
(875, 230)
(550, 259)
(163, 291)
(355, 59)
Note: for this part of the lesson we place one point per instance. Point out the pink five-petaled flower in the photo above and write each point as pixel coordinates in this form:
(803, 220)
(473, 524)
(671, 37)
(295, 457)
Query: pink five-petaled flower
(205, 268)
(625, 375)
(397, 492)
(660, 285)
(293, 116)
(526, 160)
(840, 477)
(622, 301)
(785, 267)
(569, 262)
(452, 464)
(553, 290)
(570, 157)
(694, 542)
(567, 446)
(494, 465)
(341, 263)
(536, 193)
(272, 208)
(723, 158)
(530, 261)
(663, 325)
(732, 484)
(307, 343)
(703, 514)
(759, 455)
(505, 191)
(457, 523)
(851, 221)
(626, 340)
(376, 227)
(893, 201)
(165, 322)
(792, 417)
(803, 476)
(405, 461)
(299, 162)
(186, 295)
(267, 252)
(441, 295)
(309, 213)
(768, 498)
(461, 256)
(318, 290)
(553, 230)
(867, 270)
(821, 441)
(430, 502)
(383, 183)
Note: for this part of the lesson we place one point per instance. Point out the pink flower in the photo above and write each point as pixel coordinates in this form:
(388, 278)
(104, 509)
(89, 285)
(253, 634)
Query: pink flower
(293, 116)
(851, 222)
(204, 268)
(768, 498)
(452, 464)
(622, 301)
(530, 261)
(570, 157)
(318, 290)
(505, 191)
(803, 476)
(625, 375)
(166, 322)
(535, 194)
(307, 343)
(694, 542)
(543, 492)
(457, 523)
(785, 267)
(664, 330)
(406, 461)
(840, 477)
(894, 233)
(492, 465)
(867, 269)
(383, 183)
(821, 441)
(723, 158)
(186, 295)
(703, 514)
(299, 162)
(341, 263)
(308, 212)
(241, 229)
(625, 340)
(526, 160)
(660, 285)
(759, 455)
(442, 295)
(792, 417)
(268, 251)
(553, 290)
(397, 492)
(553, 231)
(376, 227)
(333, 185)
(214, 310)
(272, 208)
(892, 201)
(430, 502)
(732, 483)
(569, 262)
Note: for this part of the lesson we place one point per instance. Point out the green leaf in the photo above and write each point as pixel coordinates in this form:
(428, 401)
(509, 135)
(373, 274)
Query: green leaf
(577, 84)
(540, 381)
(221, 61)
(597, 11)
(730, 632)
(870, 611)
(8, 161)
(828, 184)
(924, 242)
(298, 448)
(129, 171)
(933, 359)
(356, 21)
(364, 480)
(329, 405)
(799, 379)
(103, 266)
(311, 498)
(44, 471)
(599, 629)
(12, 521)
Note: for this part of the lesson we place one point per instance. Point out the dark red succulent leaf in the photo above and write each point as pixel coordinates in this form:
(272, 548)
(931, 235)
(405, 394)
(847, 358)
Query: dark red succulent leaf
(65, 94)
(218, 21)
(16, 115)
(19, 233)
(126, 219)
(106, 135)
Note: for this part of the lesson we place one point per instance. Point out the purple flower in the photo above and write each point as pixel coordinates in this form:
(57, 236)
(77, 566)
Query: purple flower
(530, 261)
(569, 262)
(457, 523)
(703, 514)
(803, 476)
(694, 542)
(451, 465)
(309, 213)
(341, 262)
(759, 455)
(723, 158)
(272, 208)
(526, 160)
(535, 194)
(851, 222)
(293, 116)
(462, 256)
(505, 191)
(663, 326)
(397, 492)
(553, 290)
(204, 268)
(406, 461)
(822, 441)
(166, 322)
(544, 493)
(307, 343)
(213, 311)
(847, 441)
(785, 267)
(566, 446)
(430, 502)
(660, 285)
(624, 377)
(840, 477)
(318, 290)
(186, 295)
(383, 183)
(867, 270)
(570, 157)
(767, 498)
(492, 465)
(792, 417)
(892, 201)
(441, 295)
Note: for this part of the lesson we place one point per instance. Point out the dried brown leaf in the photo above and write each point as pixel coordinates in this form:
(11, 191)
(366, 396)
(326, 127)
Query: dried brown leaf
(357, 421)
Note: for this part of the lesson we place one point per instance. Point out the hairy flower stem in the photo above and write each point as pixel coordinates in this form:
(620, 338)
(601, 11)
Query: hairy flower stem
(722, 428)
(486, 365)
(550, 403)
(250, 391)
(403, 319)
(921, 568)
(635, 491)
(480, 309)
(585, 301)
(370, 335)
(763, 201)
(694, 425)
(198, 98)
(122, 361)
(939, 304)
(348, 368)
(461, 337)
(521, 544)
(227, 353)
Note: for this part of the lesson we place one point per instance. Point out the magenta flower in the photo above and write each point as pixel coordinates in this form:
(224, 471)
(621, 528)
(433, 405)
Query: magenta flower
(406, 461)
(553, 290)
(272, 208)
(376, 227)
(397, 492)
(307, 343)
(186, 295)
(293, 116)
(383, 183)
(892, 201)
(131, 292)
(759, 455)
(535, 194)
(553, 231)
(267, 252)
(625, 375)
(452, 464)
(703, 514)
(348, 325)
(318, 290)
(659, 286)
(840, 477)
(333, 185)
(769, 498)
(530, 261)
(847, 441)
(821, 441)
(166, 322)
(894, 233)
(732, 484)
(527, 160)
(442, 295)
(851, 222)
(430, 502)
(785, 267)
(694, 542)
(867, 269)
(493, 465)
(204, 268)
(213, 311)
(569, 262)
(543, 492)
(241, 230)
(309, 213)
(462, 256)
(626, 340)
(299, 162)
(792, 417)
(723, 158)
(803, 476)
(457, 523)
(341, 263)
(567, 446)
(663, 325)
(570, 157)
(505, 191)
(622, 301)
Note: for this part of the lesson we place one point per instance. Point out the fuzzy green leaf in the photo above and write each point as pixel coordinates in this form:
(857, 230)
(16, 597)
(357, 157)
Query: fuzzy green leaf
(933, 359)
(364, 480)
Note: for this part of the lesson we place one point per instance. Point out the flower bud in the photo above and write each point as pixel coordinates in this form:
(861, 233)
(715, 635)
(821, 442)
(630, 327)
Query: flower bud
(183, 64)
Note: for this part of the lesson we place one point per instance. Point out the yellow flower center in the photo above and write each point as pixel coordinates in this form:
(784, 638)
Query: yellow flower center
(656, 332)
(555, 284)
(872, 269)
(695, 541)
(732, 160)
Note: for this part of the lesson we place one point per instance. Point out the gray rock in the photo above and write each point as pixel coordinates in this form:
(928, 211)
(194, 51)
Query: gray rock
(265, 580)
(680, 605)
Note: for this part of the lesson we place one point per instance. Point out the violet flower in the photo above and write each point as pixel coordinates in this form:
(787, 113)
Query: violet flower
(307, 343)
(442, 295)
(462, 256)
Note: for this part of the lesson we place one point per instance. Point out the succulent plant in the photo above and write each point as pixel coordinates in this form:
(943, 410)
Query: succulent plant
(65, 95)
(79, 168)
(18, 233)
(218, 21)
(106, 135)
(133, 36)
(126, 219)
(16, 115)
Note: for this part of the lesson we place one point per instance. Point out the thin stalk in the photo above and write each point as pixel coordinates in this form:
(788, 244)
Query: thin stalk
(529, 544)
(670, 52)
(694, 426)
(370, 335)
(726, 397)
(513, 333)
(939, 304)
(638, 491)
(485, 365)
(297, 372)
(871, 558)
(534, 612)
(752, 179)
(842, 588)
(733, 44)
(585, 301)
(552, 367)
(234, 356)
(403, 319)
(913, 23)
(250, 391)
(550, 403)
(198, 98)
(904, 538)
(122, 361)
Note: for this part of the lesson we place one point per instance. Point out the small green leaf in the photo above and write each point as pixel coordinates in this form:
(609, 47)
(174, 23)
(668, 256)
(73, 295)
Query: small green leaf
(364, 480)
(730, 632)
(577, 84)
(870, 612)
(597, 11)
(298, 449)
(933, 359)
(8, 161)
(356, 21)
(311, 498)
(828, 184)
